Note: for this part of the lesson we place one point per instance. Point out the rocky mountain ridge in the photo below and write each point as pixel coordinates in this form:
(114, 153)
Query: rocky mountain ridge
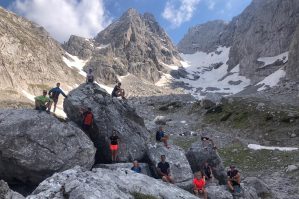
(134, 44)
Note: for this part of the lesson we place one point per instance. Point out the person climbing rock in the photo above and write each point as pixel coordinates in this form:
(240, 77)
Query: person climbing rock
(164, 170)
(54, 95)
(89, 76)
(234, 179)
(87, 122)
(43, 103)
(199, 183)
(136, 168)
(162, 137)
(114, 142)
(207, 142)
(118, 91)
(207, 171)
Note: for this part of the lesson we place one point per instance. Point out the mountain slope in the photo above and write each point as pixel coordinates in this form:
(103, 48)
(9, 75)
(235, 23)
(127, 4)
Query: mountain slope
(134, 44)
(30, 60)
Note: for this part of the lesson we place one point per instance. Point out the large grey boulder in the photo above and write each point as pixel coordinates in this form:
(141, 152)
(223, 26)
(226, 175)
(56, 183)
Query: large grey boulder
(109, 113)
(179, 165)
(35, 145)
(262, 189)
(105, 183)
(7, 193)
(145, 169)
(199, 153)
(219, 192)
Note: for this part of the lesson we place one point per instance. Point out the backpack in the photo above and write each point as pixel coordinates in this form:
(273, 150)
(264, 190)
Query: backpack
(88, 119)
(158, 136)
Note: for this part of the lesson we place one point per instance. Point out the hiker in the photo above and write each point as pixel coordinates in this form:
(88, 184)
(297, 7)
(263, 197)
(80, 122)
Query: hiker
(54, 94)
(234, 179)
(89, 76)
(199, 183)
(136, 168)
(162, 137)
(207, 141)
(207, 171)
(43, 103)
(118, 91)
(87, 122)
(114, 145)
(164, 170)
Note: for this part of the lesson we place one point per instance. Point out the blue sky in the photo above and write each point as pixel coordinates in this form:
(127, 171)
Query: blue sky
(88, 17)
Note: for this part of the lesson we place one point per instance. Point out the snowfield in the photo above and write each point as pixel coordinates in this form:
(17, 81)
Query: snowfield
(259, 147)
(272, 80)
(208, 73)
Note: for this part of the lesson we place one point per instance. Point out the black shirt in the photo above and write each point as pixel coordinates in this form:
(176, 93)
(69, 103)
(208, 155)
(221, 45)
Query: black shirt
(163, 167)
(232, 173)
(114, 140)
(207, 171)
(116, 89)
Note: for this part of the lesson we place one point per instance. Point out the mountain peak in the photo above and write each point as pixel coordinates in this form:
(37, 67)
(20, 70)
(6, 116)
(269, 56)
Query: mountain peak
(131, 12)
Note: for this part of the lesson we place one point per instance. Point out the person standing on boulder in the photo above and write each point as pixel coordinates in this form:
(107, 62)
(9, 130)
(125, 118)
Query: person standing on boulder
(87, 122)
(162, 137)
(43, 103)
(136, 168)
(207, 171)
(234, 179)
(114, 142)
(89, 76)
(164, 170)
(54, 95)
(118, 91)
(199, 183)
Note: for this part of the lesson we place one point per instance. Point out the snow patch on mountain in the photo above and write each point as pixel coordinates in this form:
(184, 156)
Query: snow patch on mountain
(272, 80)
(208, 73)
(259, 147)
(76, 63)
(271, 60)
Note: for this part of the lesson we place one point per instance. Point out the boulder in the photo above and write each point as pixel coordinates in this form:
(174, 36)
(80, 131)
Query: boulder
(261, 188)
(105, 183)
(211, 100)
(218, 192)
(109, 113)
(246, 193)
(179, 166)
(161, 120)
(292, 168)
(145, 169)
(198, 154)
(35, 145)
(7, 193)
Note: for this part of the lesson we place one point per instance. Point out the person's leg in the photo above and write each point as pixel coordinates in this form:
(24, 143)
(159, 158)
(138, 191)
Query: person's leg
(170, 179)
(230, 185)
(49, 105)
(55, 104)
(205, 193)
(115, 154)
(165, 179)
(37, 105)
(165, 140)
(196, 192)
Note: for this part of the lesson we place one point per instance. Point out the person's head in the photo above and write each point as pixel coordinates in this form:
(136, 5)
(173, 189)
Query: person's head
(204, 138)
(135, 163)
(89, 109)
(163, 158)
(44, 92)
(58, 84)
(206, 163)
(232, 167)
(199, 175)
(160, 128)
(90, 70)
(119, 84)
(114, 132)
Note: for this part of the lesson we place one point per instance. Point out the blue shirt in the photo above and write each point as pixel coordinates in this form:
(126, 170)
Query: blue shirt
(55, 92)
(136, 169)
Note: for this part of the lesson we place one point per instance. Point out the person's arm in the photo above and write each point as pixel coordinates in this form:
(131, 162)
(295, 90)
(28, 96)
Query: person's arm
(236, 177)
(50, 91)
(160, 172)
(62, 93)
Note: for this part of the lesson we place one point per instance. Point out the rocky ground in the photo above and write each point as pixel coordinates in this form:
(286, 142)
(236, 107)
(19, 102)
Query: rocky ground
(239, 122)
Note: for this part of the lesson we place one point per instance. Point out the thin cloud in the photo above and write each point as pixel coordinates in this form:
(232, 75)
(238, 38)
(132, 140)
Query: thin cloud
(211, 4)
(65, 17)
(179, 11)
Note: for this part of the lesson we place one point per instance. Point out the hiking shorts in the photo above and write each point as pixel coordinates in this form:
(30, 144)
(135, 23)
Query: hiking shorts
(113, 147)
(42, 108)
(55, 100)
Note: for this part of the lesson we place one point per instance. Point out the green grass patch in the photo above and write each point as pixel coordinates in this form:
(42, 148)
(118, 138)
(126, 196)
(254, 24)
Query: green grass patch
(137, 195)
(185, 142)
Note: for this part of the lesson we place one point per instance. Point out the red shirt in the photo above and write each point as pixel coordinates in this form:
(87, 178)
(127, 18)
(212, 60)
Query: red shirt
(199, 183)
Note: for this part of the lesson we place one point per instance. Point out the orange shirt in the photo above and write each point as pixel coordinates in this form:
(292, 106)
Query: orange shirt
(199, 183)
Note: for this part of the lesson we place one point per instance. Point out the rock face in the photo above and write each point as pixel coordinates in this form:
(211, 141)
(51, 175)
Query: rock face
(219, 192)
(104, 183)
(261, 188)
(133, 44)
(6, 193)
(109, 113)
(30, 59)
(204, 37)
(292, 68)
(179, 166)
(35, 145)
(199, 153)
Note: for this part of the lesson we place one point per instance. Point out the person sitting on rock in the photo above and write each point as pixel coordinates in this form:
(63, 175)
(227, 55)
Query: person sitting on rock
(199, 183)
(114, 142)
(164, 170)
(54, 94)
(118, 91)
(207, 171)
(234, 179)
(89, 76)
(207, 141)
(136, 168)
(87, 122)
(162, 137)
(43, 103)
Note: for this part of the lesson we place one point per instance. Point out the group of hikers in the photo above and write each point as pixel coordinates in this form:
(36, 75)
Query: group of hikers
(44, 103)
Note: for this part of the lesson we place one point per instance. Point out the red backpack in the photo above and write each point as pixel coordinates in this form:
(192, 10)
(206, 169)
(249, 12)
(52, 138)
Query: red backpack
(88, 119)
